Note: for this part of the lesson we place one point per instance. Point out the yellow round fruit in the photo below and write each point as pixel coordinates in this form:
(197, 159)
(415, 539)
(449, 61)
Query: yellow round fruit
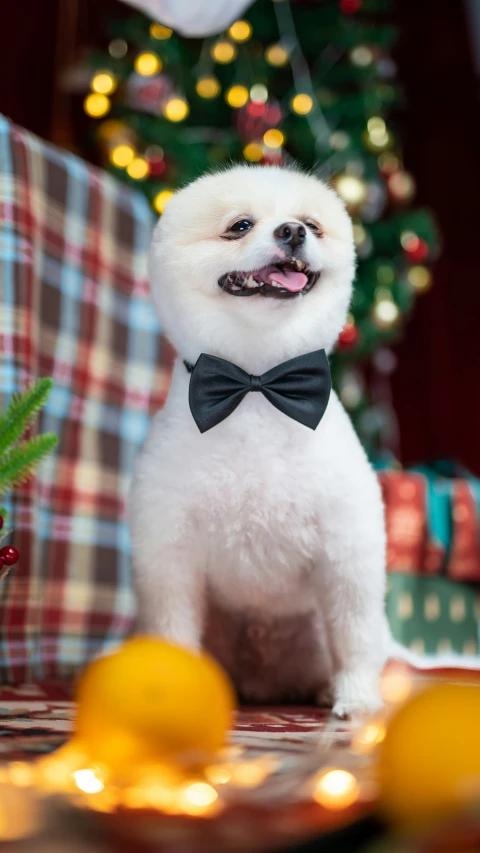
(150, 699)
(430, 757)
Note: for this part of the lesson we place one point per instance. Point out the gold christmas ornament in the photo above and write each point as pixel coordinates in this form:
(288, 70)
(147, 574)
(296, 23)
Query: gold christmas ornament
(161, 200)
(223, 52)
(240, 31)
(253, 152)
(138, 168)
(121, 156)
(302, 104)
(159, 32)
(103, 82)
(236, 96)
(419, 277)
(176, 109)
(276, 55)
(208, 87)
(96, 105)
(147, 64)
(273, 138)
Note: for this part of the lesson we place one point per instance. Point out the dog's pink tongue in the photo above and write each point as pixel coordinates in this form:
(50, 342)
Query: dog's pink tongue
(289, 279)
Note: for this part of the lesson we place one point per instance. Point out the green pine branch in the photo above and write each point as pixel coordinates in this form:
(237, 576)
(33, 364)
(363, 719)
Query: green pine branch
(21, 412)
(18, 464)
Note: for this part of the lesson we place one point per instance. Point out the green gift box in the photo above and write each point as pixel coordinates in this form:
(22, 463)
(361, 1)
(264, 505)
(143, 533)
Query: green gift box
(433, 614)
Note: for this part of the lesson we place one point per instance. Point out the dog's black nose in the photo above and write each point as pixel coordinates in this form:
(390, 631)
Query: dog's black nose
(291, 234)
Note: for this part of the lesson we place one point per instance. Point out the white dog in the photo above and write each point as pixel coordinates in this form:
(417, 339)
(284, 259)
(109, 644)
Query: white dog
(260, 538)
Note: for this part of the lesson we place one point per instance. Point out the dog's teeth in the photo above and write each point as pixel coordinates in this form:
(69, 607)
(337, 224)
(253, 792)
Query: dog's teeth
(250, 282)
(276, 283)
(299, 265)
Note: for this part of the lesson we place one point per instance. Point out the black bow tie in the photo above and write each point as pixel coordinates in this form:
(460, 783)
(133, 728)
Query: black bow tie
(299, 388)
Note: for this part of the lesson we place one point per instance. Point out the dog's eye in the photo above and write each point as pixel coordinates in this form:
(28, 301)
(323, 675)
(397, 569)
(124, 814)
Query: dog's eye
(314, 227)
(239, 228)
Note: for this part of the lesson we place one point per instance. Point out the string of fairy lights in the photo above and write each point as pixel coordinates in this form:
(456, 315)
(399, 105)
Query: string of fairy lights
(267, 145)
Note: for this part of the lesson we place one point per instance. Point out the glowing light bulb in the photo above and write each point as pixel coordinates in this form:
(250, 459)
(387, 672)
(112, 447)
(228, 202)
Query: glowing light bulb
(302, 104)
(104, 83)
(367, 738)
(273, 138)
(385, 313)
(218, 774)
(419, 277)
(276, 55)
(259, 93)
(240, 31)
(197, 798)
(223, 52)
(248, 774)
(138, 168)
(362, 56)
(336, 789)
(161, 200)
(253, 152)
(147, 64)
(396, 686)
(409, 240)
(339, 140)
(122, 155)
(208, 87)
(118, 48)
(351, 189)
(176, 109)
(159, 32)
(96, 105)
(237, 96)
(88, 781)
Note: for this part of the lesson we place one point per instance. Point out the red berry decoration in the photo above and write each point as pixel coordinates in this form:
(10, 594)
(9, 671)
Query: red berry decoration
(349, 7)
(348, 337)
(9, 555)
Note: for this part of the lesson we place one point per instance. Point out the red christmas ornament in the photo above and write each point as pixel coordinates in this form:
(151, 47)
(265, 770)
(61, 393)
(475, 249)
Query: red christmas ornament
(255, 118)
(348, 337)
(9, 555)
(273, 159)
(416, 249)
(349, 7)
(157, 166)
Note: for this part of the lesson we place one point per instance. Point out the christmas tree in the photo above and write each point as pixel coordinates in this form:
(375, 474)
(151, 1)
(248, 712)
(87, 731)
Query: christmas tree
(312, 81)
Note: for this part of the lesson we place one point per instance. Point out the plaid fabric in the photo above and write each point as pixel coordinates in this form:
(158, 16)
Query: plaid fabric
(75, 305)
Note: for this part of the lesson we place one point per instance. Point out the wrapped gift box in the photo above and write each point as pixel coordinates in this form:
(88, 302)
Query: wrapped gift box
(433, 557)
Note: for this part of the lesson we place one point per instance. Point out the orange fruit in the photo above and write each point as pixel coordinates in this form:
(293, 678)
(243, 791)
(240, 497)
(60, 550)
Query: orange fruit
(149, 699)
(430, 757)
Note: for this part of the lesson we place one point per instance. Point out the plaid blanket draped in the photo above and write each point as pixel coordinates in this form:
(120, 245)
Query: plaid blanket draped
(74, 305)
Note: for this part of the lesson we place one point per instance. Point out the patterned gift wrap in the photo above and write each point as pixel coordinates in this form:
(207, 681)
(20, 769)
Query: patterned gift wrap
(433, 615)
(433, 558)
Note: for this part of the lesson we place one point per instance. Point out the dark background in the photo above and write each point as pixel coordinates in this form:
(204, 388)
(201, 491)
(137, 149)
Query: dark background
(436, 386)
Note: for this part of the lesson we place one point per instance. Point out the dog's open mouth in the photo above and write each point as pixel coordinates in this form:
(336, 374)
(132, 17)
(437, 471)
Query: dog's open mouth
(283, 280)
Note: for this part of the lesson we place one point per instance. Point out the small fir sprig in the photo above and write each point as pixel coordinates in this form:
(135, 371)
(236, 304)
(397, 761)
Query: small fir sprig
(18, 458)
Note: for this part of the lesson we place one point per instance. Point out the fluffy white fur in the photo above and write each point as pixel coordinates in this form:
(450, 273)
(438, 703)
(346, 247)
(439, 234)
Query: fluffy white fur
(261, 538)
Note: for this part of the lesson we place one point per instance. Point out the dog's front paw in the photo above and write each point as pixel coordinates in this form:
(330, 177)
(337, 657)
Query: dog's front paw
(356, 693)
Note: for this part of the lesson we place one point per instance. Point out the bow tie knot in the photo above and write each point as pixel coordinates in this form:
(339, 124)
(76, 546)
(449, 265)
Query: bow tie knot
(300, 388)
